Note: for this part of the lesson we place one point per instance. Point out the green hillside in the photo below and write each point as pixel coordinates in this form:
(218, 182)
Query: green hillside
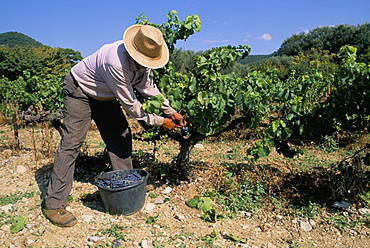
(253, 58)
(14, 38)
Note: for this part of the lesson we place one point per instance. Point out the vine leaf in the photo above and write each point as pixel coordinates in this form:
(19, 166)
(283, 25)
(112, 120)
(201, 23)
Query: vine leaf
(193, 202)
(18, 223)
(205, 204)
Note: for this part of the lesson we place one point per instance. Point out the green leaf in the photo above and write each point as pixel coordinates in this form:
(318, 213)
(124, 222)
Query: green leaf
(261, 152)
(18, 223)
(290, 116)
(237, 239)
(193, 202)
(177, 93)
(212, 216)
(213, 234)
(151, 195)
(151, 219)
(210, 237)
(205, 204)
(153, 104)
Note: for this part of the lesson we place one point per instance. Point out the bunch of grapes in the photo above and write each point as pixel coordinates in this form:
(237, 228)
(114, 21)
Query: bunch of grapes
(184, 131)
(118, 180)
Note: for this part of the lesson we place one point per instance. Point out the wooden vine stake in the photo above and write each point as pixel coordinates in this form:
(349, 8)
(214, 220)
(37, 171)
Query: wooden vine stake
(16, 145)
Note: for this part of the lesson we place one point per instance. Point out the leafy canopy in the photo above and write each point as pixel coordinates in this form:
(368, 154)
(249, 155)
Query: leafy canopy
(31, 76)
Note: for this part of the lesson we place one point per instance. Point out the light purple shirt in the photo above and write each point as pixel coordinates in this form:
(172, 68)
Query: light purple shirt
(111, 73)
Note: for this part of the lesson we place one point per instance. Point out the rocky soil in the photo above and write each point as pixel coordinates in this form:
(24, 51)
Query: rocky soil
(165, 220)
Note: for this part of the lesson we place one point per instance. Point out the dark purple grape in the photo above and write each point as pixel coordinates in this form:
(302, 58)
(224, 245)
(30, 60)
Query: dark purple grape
(118, 180)
(184, 131)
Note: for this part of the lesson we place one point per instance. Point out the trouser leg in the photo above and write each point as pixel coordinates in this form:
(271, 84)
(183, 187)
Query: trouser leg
(115, 132)
(76, 123)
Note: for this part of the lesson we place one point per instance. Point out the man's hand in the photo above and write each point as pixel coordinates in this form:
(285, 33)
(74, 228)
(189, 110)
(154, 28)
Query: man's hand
(167, 125)
(178, 119)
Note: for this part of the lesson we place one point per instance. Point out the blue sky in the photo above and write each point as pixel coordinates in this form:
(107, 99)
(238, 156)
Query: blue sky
(85, 25)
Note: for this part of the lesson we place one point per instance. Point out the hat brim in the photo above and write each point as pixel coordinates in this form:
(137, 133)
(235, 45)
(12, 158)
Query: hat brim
(142, 59)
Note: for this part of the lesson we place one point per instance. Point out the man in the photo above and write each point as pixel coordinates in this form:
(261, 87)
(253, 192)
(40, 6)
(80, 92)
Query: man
(91, 91)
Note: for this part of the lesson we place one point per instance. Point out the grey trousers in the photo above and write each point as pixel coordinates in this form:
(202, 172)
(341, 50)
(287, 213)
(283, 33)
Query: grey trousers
(79, 110)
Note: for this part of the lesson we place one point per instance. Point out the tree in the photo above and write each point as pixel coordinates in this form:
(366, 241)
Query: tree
(253, 59)
(41, 61)
(281, 64)
(182, 61)
(292, 45)
(238, 69)
(362, 43)
(33, 77)
(314, 60)
(328, 38)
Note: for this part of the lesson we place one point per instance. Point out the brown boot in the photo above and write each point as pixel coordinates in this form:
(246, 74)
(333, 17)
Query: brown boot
(60, 217)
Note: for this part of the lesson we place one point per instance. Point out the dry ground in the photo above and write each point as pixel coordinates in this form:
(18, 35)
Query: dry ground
(176, 224)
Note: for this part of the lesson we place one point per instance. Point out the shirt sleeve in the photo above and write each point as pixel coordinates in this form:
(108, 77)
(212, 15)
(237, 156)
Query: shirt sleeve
(147, 88)
(120, 82)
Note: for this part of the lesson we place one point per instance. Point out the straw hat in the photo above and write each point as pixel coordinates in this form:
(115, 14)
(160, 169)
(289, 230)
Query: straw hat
(146, 45)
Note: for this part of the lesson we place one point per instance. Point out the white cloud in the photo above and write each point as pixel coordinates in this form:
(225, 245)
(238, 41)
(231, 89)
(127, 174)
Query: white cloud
(215, 41)
(247, 36)
(265, 37)
(219, 22)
